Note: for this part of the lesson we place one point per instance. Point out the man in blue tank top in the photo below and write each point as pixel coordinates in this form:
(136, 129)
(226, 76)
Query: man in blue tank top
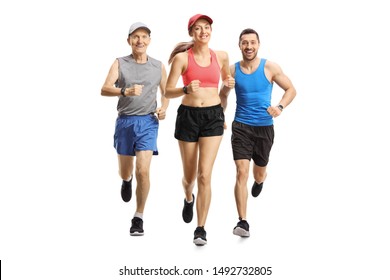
(252, 128)
(134, 79)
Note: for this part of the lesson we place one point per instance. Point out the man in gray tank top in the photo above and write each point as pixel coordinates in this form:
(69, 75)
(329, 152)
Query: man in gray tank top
(134, 79)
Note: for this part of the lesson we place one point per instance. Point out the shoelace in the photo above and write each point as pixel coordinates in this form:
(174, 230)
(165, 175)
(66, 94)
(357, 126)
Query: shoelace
(243, 224)
(199, 232)
(137, 222)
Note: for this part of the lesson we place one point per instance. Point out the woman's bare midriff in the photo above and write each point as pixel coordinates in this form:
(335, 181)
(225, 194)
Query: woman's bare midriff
(204, 97)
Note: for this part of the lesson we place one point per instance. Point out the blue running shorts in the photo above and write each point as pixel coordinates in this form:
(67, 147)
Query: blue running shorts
(136, 133)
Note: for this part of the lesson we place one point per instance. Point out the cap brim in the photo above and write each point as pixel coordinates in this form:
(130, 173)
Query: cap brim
(194, 19)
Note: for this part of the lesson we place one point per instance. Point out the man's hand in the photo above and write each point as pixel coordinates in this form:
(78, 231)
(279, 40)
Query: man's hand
(135, 90)
(229, 82)
(161, 113)
(274, 111)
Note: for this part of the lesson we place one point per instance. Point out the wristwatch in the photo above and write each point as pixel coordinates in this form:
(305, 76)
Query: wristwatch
(185, 90)
(280, 107)
(123, 90)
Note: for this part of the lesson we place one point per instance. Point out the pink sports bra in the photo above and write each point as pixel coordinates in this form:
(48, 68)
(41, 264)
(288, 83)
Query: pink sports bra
(208, 76)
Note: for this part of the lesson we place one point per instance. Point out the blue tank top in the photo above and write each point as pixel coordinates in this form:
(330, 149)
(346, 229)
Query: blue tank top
(253, 96)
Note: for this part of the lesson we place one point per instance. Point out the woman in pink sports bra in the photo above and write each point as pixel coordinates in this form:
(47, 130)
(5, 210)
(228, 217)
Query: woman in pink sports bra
(200, 118)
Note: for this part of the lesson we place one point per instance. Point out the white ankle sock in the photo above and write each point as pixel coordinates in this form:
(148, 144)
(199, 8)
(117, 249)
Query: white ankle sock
(139, 215)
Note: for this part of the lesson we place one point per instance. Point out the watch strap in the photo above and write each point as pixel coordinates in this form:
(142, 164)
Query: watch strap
(123, 91)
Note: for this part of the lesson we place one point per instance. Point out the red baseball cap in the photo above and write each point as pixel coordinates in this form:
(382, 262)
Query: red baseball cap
(196, 17)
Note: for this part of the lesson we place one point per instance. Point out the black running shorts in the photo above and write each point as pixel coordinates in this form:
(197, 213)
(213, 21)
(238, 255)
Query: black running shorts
(195, 122)
(252, 142)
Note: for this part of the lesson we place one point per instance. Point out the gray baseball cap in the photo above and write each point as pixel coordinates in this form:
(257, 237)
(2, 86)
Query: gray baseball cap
(138, 25)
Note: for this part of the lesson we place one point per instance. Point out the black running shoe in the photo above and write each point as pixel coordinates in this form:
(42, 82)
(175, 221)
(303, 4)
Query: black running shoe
(137, 227)
(126, 190)
(188, 211)
(242, 228)
(200, 236)
(256, 189)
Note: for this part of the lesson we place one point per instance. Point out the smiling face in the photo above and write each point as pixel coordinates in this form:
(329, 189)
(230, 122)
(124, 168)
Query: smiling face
(139, 41)
(201, 31)
(249, 46)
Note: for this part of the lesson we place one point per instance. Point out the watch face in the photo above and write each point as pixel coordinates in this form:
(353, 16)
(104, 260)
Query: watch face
(185, 89)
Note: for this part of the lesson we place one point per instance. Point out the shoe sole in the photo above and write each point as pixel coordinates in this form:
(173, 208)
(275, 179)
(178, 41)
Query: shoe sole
(200, 242)
(136, 233)
(241, 232)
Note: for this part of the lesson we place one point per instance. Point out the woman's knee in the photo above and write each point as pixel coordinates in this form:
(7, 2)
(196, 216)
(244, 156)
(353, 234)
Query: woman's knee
(204, 178)
(188, 181)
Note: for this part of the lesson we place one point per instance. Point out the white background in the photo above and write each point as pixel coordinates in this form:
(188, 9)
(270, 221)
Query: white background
(323, 213)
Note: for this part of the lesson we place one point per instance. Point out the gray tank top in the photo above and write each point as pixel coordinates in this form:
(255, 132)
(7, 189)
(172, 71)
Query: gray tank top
(147, 74)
